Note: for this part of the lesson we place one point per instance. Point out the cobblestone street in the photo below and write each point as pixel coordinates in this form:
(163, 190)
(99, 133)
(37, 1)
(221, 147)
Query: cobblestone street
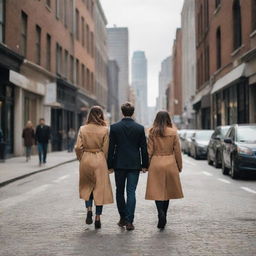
(42, 215)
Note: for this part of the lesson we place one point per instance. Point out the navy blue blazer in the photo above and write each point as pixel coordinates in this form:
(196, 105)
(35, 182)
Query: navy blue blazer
(127, 146)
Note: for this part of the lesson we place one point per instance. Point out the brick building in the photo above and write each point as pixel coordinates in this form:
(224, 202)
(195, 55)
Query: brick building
(50, 46)
(175, 90)
(226, 62)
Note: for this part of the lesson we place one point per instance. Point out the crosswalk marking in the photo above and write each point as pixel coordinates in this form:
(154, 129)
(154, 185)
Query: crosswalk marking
(9, 202)
(61, 178)
(248, 190)
(225, 181)
(207, 173)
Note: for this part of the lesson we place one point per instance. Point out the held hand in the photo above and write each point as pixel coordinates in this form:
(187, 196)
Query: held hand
(110, 171)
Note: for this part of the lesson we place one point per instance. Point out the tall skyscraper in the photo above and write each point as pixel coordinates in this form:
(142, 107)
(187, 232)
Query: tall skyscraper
(140, 84)
(118, 50)
(165, 77)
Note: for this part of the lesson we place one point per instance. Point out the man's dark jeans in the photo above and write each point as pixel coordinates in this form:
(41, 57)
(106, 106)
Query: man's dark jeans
(126, 209)
(42, 152)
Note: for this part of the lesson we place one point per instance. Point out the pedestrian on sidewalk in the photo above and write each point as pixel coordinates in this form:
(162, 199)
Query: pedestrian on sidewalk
(28, 136)
(164, 151)
(127, 156)
(42, 136)
(91, 150)
(71, 139)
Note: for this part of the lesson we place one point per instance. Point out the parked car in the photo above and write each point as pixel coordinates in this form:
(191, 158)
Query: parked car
(187, 140)
(199, 143)
(239, 150)
(214, 154)
(182, 139)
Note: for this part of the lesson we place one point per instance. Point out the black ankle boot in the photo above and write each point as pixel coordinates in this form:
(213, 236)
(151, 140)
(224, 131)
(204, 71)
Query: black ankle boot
(97, 224)
(89, 218)
(161, 220)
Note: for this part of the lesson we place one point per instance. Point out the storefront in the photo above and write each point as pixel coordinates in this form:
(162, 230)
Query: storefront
(202, 108)
(230, 98)
(8, 61)
(64, 117)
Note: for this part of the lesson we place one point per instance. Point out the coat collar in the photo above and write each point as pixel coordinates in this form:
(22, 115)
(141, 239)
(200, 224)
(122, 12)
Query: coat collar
(127, 119)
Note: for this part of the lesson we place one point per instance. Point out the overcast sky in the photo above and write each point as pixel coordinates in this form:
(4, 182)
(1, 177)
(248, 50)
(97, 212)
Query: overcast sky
(152, 25)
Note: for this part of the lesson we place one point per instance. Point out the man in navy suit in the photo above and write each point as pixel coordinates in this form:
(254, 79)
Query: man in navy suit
(128, 156)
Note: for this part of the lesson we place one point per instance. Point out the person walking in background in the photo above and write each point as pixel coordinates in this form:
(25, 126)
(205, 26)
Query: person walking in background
(91, 150)
(42, 136)
(127, 156)
(71, 139)
(28, 136)
(164, 151)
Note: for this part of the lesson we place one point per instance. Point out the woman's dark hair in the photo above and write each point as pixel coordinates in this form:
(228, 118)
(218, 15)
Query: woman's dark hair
(162, 121)
(127, 109)
(96, 116)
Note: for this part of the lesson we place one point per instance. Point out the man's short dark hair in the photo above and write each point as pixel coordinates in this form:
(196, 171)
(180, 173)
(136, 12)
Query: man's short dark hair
(41, 119)
(127, 109)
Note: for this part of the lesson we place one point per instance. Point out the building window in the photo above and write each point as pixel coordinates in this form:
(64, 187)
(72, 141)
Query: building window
(237, 24)
(57, 9)
(83, 32)
(218, 48)
(24, 24)
(217, 3)
(88, 79)
(48, 52)
(77, 72)
(2, 13)
(77, 24)
(207, 63)
(48, 3)
(83, 75)
(253, 15)
(87, 38)
(66, 13)
(66, 64)
(58, 59)
(206, 14)
(38, 45)
(92, 44)
(71, 69)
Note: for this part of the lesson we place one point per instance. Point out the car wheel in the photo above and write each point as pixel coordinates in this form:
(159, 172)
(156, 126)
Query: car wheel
(196, 155)
(209, 159)
(234, 172)
(216, 160)
(224, 168)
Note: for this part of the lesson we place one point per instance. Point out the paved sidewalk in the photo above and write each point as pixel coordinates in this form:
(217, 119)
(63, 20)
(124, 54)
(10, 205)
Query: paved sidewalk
(17, 168)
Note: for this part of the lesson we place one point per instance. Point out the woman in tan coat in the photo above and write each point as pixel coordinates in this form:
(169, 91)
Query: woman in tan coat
(91, 150)
(164, 152)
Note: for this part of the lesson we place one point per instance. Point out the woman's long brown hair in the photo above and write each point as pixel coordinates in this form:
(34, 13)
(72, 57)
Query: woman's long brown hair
(162, 121)
(96, 116)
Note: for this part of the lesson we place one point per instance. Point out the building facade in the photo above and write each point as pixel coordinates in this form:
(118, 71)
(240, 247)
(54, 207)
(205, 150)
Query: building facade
(118, 49)
(101, 55)
(188, 62)
(175, 90)
(113, 86)
(53, 43)
(140, 85)
(226, 46)
(164, 79)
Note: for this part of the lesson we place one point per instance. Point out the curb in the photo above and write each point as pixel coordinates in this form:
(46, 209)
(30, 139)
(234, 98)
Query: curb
(2, 184)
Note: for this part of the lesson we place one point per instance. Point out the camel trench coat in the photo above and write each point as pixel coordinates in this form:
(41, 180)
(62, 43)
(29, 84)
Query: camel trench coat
(165, 165)
(91, 150)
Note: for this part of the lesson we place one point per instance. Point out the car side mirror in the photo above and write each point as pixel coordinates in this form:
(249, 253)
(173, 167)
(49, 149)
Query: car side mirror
(217, 138)
(228, 140)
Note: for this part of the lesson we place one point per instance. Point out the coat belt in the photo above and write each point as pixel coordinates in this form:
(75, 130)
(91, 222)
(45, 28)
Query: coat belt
(162, 154)
(93, 150)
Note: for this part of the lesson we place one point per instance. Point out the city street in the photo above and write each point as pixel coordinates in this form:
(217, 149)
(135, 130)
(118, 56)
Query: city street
(42, 215)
